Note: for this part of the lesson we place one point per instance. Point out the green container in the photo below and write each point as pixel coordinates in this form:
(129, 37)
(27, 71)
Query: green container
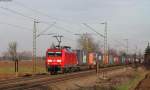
(111, 60)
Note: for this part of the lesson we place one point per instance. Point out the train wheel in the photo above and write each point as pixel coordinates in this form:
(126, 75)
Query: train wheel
(66, 70)
(63, 71)
(54, 73)
(78, 69)
(73, 69)
(70, 69)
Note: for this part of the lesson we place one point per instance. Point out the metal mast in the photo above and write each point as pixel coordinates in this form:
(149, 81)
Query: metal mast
(105, 42)
(34, 46)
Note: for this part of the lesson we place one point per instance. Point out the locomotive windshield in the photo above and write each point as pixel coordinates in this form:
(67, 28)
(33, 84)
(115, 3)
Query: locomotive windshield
(58, 53)
(51, 54)
(54, 54)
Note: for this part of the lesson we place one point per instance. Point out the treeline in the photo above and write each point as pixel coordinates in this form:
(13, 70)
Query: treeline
(25, 55)
(147, 57)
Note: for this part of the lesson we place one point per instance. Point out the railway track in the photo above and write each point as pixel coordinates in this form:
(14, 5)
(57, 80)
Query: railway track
(32, 83)
(25, 78)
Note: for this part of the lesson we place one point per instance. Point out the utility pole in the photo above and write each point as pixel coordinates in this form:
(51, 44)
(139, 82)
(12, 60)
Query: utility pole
(59, 38)
(87, 42)
(105, 46)
(105, 42)
(127, 43)
(34, 46)
(97, 64)
(101, 35)
(136, 48)
(106, 49)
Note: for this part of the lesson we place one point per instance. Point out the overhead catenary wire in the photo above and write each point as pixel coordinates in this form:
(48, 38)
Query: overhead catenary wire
(13, 11)
(4, 13)
(33, 10)
(7, 15)
(31, 18)
(16, 26)
(46, 29)
(40, 12)
(18, 13)
(68, 31)
(101, 34)
(82, 28)
(23, 15)
(93, 30)
(66, 37)
(37, 11)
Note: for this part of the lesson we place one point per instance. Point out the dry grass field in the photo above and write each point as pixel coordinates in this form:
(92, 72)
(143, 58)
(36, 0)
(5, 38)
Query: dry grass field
(7, 68)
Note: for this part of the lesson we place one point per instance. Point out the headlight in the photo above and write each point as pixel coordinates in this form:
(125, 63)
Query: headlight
(58, 60)
(49, 60)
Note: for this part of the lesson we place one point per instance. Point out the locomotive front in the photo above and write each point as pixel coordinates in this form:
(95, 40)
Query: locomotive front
(53, 60)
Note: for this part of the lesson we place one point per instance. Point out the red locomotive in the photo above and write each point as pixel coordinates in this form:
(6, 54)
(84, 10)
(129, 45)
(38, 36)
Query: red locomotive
(61, 60)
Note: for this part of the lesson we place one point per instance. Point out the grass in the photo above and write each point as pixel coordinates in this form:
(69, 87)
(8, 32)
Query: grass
(30, 70)
(11, 70)
(7, 67)
(131, 84)
(6, 70)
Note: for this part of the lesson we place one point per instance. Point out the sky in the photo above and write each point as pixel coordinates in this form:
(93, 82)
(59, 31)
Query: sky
(127, 19)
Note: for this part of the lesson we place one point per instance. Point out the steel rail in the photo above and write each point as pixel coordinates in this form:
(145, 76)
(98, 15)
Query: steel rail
(31, 84)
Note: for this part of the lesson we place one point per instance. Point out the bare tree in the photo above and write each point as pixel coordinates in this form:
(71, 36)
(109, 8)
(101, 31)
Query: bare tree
(86, 42)
(13, 50)
(13, 53)
(147, 57)
(122, 53)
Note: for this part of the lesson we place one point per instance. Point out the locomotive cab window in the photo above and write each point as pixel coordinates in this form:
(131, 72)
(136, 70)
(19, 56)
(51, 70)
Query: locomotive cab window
(51, 54)
(54, 54)
(58, 54)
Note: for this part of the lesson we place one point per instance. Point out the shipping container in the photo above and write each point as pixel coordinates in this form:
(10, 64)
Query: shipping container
(91, 58)
(132, 60)
(99, 57)
(82, 57)
(84, 60)
(79, 56)
(122, 59)
(127, 60)
(105, 59)
(116, 60)
(111, 60)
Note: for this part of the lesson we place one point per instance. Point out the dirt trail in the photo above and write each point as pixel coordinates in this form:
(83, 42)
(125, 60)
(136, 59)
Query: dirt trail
(85, 81)
(144, 84)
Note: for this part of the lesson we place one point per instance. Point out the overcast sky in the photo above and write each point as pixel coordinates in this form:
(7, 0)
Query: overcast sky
(127, 19)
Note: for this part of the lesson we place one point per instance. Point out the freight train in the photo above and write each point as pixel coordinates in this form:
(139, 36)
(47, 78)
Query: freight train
(65, 59)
